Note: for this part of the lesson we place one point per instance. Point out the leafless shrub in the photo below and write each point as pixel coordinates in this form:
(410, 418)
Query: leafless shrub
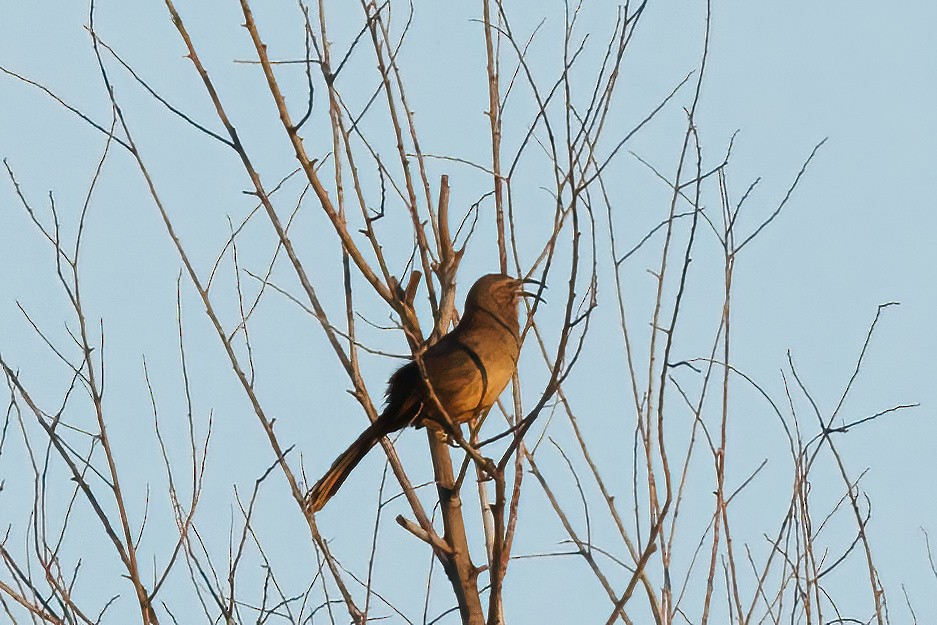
(643, 484)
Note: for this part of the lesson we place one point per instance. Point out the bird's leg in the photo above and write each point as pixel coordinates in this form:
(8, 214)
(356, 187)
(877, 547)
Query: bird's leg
(443, 431)
(475, 425)
(489, 470)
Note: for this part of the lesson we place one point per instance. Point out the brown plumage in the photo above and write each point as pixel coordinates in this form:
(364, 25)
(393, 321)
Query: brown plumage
(467, 370)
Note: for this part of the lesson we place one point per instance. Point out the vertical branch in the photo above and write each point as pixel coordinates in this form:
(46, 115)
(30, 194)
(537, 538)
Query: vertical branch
(728, 268)
(462, 574)
(494, 117)
(408, 113)
(423, 248)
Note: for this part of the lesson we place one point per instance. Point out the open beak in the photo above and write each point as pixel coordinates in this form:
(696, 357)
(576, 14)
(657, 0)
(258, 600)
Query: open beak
(536, 295)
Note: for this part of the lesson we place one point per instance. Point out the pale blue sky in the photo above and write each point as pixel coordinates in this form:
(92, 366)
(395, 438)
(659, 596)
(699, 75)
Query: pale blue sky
(857, 233)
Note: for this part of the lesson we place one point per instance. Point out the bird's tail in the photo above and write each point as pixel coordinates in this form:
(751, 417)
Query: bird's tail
(329, 484)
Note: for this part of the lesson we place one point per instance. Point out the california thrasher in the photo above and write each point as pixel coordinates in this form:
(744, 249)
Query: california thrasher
(467, 369)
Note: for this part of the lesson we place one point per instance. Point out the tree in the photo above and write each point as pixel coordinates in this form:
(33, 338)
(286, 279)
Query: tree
(618, 428)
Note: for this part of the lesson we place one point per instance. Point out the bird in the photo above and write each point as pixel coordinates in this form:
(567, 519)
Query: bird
(467, 369)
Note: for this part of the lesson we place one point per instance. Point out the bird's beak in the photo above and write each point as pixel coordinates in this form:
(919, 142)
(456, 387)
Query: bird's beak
(536, 295)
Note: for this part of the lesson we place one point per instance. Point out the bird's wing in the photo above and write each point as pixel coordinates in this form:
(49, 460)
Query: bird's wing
(458, 376)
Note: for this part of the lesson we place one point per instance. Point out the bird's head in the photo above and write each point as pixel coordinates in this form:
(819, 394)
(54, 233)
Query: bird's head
(499, 292)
